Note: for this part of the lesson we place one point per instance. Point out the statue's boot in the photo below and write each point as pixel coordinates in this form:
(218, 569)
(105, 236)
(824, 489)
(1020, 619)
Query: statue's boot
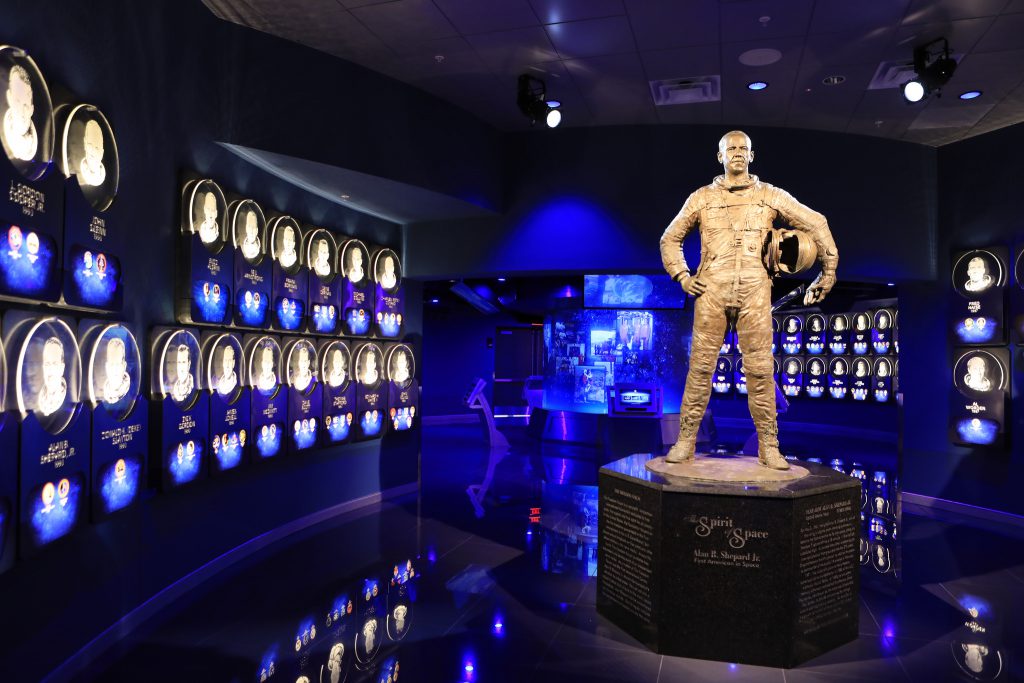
(768, 453)
(683, 449)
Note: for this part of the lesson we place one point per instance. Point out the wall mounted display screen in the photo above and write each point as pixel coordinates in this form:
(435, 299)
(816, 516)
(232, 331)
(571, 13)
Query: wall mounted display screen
(26, 113)
(88, 151)
(49, 374)
(632, 291)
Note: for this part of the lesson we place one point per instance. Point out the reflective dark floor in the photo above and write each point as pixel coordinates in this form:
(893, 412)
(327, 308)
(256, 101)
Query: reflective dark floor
(503, 589)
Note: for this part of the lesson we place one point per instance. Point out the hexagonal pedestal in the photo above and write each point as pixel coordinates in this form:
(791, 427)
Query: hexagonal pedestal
(759, 573)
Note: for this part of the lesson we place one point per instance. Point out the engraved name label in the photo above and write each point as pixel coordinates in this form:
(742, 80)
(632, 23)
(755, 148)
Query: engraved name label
(31, 201)
(627, 535)
(98, 228)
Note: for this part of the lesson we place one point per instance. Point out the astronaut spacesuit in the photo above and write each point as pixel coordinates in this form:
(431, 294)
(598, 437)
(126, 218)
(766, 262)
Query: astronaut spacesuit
(735, 215)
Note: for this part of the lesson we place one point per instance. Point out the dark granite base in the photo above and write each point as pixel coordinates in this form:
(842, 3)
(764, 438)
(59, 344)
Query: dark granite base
(761, 574)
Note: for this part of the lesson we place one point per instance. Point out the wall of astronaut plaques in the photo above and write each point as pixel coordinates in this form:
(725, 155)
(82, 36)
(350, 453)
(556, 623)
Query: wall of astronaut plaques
(844, 357)
(272, 351)
(979, 332)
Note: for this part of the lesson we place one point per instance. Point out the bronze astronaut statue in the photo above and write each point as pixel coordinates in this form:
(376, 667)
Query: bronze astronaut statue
(732, 283)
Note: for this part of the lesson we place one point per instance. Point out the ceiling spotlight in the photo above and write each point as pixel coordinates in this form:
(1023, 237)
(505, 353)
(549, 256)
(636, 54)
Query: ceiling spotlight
(932, 69)
(757, 85)
(970, 94)
(532, 100)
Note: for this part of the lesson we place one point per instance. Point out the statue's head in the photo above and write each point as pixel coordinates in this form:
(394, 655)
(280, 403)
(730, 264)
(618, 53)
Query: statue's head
(735, 152)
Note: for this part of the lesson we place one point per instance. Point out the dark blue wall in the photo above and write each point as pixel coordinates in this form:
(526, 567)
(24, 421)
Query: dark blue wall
(174, 81)
(978, 206)
(597, 200)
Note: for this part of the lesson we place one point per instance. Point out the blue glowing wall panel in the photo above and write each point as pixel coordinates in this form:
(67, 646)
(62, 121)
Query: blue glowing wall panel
(593, 346)
(632, 291)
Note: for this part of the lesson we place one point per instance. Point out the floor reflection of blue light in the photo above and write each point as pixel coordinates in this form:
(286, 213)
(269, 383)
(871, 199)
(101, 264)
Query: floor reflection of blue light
(977, 430)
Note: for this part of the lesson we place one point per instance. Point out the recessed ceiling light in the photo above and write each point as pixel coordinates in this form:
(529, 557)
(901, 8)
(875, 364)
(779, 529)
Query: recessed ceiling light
(833, 80)
(761, 56)
(970, 94)
(757, 85)
(346, 196)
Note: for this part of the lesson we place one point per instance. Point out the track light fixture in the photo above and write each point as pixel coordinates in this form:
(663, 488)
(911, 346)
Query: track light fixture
(533, 102)
(933, 70)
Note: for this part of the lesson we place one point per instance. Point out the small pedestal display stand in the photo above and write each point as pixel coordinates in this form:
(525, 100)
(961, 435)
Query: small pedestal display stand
(724, 559)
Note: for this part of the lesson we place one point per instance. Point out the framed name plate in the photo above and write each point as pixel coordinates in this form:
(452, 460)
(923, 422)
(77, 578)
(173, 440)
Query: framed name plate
(87, 156)
(403, 389)
(339, 391)
(389, 304)
(978, 306)
(253, 270)
(371, 391)
(321, 259)
(978, 399)
(356, 289)
(230, 402)
(305, 400)
(269, 395)
(180, 409)
(120, 415)
(46, 379)
(207, 262)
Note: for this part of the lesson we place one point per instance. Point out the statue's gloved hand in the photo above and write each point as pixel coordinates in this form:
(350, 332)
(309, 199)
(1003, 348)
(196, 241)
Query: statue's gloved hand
(693, 286)
(820, 288)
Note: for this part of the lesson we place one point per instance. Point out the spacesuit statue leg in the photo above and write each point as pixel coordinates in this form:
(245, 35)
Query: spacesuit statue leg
(754, 330)
(709, 323)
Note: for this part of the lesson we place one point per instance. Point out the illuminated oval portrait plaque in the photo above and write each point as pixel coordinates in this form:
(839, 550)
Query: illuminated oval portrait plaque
(249, 230)
(322, 256)
(265, 366)
(335, 363)
(979, 373)
(26, 113)
(223, 364)
(355, 258)
(369, 362)
(401, 366)
(284, 243)
(976, 272)
(207, 213)
(114, 371)
(88, 151)
(301, 365)
(387, 270)
(49, 374)
(180, 368)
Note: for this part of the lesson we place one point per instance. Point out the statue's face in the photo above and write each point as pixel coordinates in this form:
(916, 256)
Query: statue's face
(93, 143)
(19, 101)
(735, 153)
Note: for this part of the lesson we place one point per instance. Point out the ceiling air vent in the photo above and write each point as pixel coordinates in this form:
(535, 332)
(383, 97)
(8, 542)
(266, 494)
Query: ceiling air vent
(689, 90)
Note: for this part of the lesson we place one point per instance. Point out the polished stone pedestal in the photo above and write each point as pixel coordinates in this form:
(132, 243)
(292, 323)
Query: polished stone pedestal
(761, 573)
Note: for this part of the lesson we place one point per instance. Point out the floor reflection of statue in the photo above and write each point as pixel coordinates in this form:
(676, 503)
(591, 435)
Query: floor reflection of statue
(91, 170)
(977, 374)
(732, 285)
(117, 382)
(978, 278)
(369, 635)
(55, 388)
(19, 132)
(399, 614)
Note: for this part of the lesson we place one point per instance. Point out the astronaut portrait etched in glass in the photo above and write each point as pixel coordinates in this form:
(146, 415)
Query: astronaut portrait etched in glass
(263, 366)
(367, 364)
(49, 374)
(54, 391)
(354, 259)
(286, 235)
(387, 270)
(114, 372)
(977, 375)
(27, 128)
(336, 369)
(322, 258)
(301, 359)
(19, 132)
(222, 366)
(180, 365)
(333, 669)
(251, 245)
